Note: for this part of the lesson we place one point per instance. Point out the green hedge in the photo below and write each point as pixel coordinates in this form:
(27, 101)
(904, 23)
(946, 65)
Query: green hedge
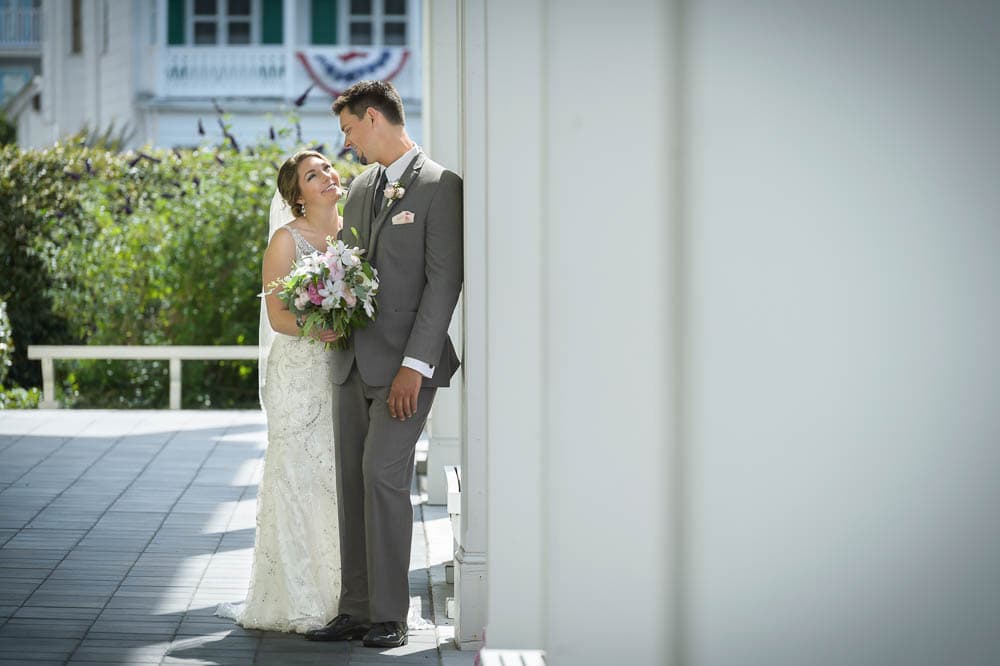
(8, 132)
(32, 187)
(151, 247)
(13, 397)
(6, 343)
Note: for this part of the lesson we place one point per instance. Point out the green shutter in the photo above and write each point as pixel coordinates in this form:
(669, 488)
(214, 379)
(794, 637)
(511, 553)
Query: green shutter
(324, 21)
(175, 22)
(271, 28)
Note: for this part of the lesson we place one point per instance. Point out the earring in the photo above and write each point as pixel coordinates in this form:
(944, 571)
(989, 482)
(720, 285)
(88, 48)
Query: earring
(302, 207)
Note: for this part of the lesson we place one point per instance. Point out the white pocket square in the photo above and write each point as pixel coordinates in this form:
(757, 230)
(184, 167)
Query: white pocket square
(405, 217)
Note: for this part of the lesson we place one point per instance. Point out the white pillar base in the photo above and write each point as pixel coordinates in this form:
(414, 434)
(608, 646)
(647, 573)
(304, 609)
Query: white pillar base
(470, 590)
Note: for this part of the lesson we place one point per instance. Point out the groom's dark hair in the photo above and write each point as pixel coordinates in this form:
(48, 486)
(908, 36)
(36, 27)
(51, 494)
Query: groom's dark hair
(379, 94)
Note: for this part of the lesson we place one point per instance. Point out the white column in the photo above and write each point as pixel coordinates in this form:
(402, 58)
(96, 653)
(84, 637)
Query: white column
(442, 109)
(92, 29)
(570, 113)
(161, 48)
(289, 23)
(471, 555)
(54, 40)
(505, 134)
(610, 218)
(417, 33)
(139, 17)
(442, 81)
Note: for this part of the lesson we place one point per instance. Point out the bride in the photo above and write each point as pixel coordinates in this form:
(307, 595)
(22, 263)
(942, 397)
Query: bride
(295, 580)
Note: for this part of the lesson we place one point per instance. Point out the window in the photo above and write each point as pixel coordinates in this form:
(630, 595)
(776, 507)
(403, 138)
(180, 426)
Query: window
(223, 22)
(369, 22)
(360, 23)
(394, 23)
(76, 46)
(11, 81)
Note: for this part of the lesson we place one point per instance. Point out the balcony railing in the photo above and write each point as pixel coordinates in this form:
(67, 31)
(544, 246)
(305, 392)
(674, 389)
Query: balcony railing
(193, 71)
(275, 71)
(20, 28)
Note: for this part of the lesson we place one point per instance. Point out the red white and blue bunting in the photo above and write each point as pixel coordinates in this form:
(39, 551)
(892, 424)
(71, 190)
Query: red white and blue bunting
(335, 72)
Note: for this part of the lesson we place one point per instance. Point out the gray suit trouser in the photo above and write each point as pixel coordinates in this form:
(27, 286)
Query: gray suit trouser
(374, 455)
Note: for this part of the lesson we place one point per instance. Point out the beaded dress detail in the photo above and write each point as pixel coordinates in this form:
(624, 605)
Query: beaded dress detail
(295, 579)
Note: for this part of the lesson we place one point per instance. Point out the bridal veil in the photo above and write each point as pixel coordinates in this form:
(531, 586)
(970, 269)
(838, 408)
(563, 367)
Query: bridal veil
(279, 215)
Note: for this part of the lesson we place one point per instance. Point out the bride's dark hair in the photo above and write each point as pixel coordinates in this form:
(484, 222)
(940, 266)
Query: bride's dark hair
(288, 179)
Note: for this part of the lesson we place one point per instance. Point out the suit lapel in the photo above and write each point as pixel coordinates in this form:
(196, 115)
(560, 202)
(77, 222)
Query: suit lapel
(407, 180)
(362, 220)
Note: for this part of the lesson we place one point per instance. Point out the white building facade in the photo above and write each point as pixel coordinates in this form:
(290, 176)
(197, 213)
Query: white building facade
(151, 69)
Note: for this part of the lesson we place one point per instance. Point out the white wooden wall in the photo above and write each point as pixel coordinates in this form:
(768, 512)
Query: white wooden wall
(842, 373)
(568, 192)
(92, 88)
(736, 271)
(115, 82)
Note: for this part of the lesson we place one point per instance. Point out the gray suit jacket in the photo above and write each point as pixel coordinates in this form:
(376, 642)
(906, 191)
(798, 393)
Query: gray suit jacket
(419, 269)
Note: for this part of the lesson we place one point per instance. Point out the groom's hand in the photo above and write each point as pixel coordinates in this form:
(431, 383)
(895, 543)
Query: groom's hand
(403, 393)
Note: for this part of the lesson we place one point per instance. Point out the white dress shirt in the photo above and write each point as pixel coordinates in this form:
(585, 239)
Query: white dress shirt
(394, 172)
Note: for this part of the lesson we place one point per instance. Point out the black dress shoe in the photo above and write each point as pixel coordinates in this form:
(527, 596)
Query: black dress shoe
(386, 634)
(344, 627)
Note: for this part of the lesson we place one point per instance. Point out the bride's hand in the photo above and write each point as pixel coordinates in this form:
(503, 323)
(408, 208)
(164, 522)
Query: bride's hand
(323, 335)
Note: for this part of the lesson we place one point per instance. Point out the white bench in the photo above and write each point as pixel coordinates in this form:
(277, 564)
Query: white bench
(172, 353)
(511, 657)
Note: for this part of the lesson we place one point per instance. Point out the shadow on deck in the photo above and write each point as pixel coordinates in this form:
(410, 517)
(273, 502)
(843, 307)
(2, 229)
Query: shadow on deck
(120, 532)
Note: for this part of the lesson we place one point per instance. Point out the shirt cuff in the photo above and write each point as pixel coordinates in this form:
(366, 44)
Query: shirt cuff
(421, 367)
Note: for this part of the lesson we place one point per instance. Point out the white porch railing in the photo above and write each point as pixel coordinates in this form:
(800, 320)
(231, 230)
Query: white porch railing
(20, 27)
(187, 72)
(173, 353)
(193, 71)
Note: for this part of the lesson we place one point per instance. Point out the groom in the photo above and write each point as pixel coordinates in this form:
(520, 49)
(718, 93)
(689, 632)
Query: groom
(407, 212)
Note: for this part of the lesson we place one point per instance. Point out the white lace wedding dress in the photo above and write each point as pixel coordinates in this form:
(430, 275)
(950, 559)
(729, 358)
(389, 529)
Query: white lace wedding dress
(295, 580)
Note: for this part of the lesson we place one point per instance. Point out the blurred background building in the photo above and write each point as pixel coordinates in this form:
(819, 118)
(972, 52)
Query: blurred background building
(20, 45)
(148, 70)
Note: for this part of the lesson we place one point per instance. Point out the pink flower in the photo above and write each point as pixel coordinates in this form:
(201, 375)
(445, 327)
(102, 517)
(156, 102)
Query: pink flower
(336, 269)
(350, 298)
(394, 191)
(314, 296)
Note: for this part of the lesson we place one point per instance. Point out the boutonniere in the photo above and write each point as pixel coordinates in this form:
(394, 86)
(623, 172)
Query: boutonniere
(393, 191)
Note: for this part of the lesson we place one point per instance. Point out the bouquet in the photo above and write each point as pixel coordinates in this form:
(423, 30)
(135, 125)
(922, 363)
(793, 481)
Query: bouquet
(333, 289)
